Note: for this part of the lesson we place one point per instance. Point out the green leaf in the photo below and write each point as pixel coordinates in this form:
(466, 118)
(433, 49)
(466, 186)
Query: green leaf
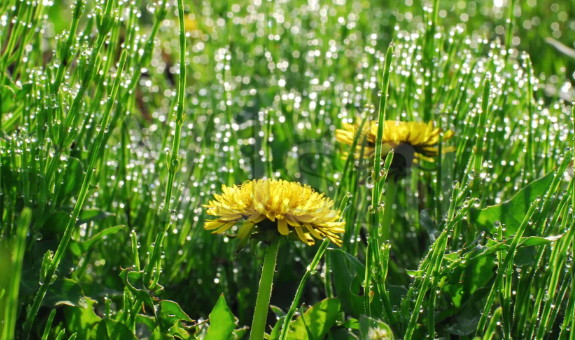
(108, 329)
(511, 212)
(157, 335)
(133, 281)
(65, 292)
(8, 92)
(530, 241)
(465, 322)
(79, 248)
(478, 274)
(415, 273)
(239, 333)
(81, 320)
(56, 222)
(277, 311)
(169, 315)
(319, 319)
(91, 215)
(374, 329)
(465, 281)
(147, 320)
(538, 241)
(222, 321)
(350, 323)
(348, 273)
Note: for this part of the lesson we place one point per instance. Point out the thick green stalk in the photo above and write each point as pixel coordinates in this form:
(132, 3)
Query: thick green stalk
(17, 249)
(265, 290)
(299, 292)
(79, 202)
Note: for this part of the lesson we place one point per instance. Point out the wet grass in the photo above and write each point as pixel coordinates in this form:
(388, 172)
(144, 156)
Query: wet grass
(116, 127)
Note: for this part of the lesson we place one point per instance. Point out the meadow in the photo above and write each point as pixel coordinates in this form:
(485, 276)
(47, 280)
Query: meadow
(342, 169)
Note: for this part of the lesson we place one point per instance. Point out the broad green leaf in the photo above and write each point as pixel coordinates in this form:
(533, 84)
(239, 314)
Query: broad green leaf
(222, 321)
(108, 329)
(348, 273)
(239, 333)
(511, 212)
(415, 273)
(81, 320)
(478, 274)
(91, 215)
(277, 311)
(7, 91)
(133, 281)
(56, 222)
(466, 281)
(465, 322)
(169, 316)
(79, 248)
(147, 320)
(319, 319)
(538, 241)
(530, 241)
(65, 292)
(374, 329)
(157, 335)
(525, 256)
(350, 323)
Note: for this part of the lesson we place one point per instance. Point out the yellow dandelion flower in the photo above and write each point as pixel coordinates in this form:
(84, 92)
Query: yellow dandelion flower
(275, 204)
(423, 138)
(190, 23)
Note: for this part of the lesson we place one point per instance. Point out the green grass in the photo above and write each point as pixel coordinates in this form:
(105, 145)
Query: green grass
(115, 130)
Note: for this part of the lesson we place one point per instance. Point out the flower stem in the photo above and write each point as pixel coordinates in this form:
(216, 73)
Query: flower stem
(265, 291)
(295, 303)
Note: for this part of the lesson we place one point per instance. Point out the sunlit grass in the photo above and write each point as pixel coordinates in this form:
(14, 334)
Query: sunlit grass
(116, 128)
